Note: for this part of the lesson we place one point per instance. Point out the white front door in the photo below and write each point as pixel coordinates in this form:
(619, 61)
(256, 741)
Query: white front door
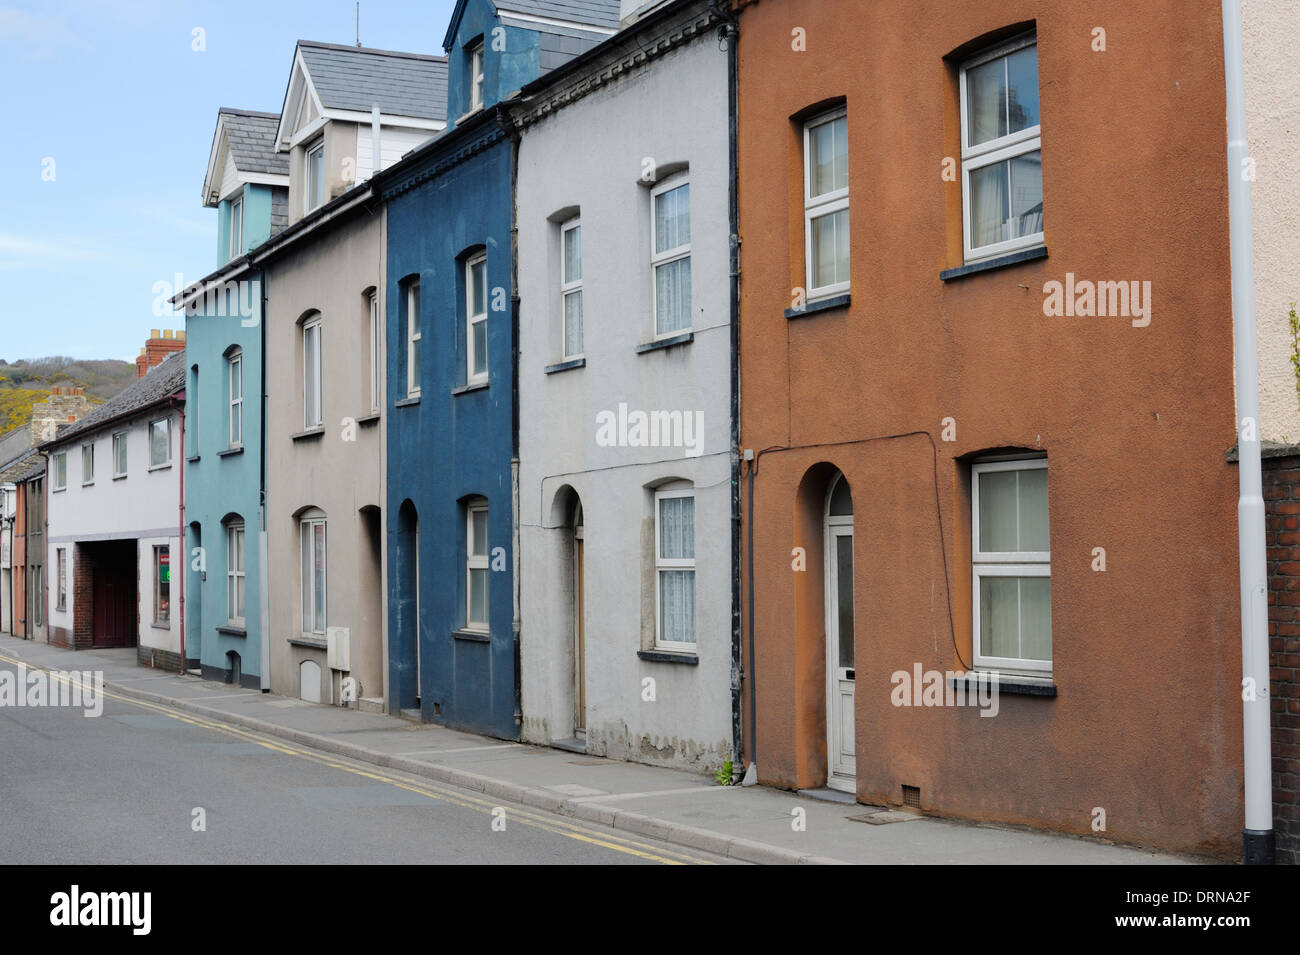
(842, 766)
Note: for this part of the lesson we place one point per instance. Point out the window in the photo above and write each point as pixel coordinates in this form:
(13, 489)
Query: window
(87, 464)
(476, 76)
(62, 584)
(376, 330)
(236, 228)
(312, 531)
(311, 396)
(193, 418)
(1012, 588)
(160, 443)
(119, 454)
(571, 286)
(675, 570)
(235, 364)
(826, 204)
(1001, 154)
(235, 573)
(60, 470)
(476, 566)
(413, 336)
(162, 585)
(671, 257)
(476, 294)
(315, 176)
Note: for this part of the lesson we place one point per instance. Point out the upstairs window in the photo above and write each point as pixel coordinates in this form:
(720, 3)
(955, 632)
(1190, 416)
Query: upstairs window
(60, 470)
(376, 335)
(315, 176)
(119, 454)
(476, 308)
(571, 287)
(311, 376)
(476, 76)
(826, 204)
(413, 337)
(235, 363)
(160, 443)
(1001, 150)
(236, 228)
(670, 244)
(87, 464)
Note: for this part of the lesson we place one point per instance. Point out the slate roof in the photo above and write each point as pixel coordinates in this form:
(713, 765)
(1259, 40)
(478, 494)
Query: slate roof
(597, 13)
(357, 78)
(251, 138)
(154, 388)
(25, 468)
(14, 445)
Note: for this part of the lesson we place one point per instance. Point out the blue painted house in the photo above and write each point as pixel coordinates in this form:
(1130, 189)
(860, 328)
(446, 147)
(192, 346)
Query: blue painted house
(454, 627)
(247, 182)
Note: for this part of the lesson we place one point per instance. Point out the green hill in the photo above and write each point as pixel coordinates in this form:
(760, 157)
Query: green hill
(28, 382)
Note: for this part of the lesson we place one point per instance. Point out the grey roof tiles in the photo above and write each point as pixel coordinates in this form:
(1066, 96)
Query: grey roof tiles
(357, 78)
(158, 383)
(251, 138)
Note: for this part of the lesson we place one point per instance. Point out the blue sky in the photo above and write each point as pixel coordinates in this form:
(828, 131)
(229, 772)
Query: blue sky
(114, 93)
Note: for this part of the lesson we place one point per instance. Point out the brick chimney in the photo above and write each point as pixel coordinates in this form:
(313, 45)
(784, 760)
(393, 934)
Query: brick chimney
(65, 404)
(157, 348)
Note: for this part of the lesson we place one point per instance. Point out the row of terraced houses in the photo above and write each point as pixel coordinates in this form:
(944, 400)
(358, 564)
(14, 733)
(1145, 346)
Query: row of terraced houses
(690, 381)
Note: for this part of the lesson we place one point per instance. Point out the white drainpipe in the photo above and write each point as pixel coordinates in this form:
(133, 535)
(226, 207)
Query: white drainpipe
(1257, 838)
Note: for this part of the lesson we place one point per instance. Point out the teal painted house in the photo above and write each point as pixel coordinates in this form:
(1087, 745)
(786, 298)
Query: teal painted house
(247, 182)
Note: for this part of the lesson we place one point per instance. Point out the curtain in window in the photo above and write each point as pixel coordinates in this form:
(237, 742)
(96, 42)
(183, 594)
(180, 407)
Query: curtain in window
(673, 296)
(677, 606)
(573, 323)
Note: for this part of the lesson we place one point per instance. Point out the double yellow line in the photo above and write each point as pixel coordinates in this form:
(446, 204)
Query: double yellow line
(435, 791)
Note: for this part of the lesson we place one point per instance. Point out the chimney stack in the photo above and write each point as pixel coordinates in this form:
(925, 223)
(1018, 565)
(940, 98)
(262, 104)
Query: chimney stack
(160, 345)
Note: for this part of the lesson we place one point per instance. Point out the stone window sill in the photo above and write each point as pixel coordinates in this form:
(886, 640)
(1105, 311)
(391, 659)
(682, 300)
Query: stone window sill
(821, 305)
(161, 467)
(365, 419)
(1011, 685)
(230, 451)
(466, 389)
(307, 435)
(668, 656)
(1000, 262)
(308, 642)
(233, 631)
(407, 401)
(565, 365)
(473, 636)
(683, 339)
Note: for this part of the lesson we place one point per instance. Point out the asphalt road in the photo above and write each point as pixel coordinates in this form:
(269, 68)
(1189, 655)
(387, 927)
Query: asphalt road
(124, 787)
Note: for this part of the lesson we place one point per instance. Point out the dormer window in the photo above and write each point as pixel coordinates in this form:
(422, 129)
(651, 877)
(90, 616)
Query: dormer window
(236, 228)
(315, 176)
(476, 76)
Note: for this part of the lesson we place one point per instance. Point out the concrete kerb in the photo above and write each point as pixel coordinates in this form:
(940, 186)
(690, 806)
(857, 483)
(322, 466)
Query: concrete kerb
(733, 847)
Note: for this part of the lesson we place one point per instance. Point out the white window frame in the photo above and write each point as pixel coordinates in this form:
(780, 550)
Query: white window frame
(475, 562)
(158, 619)
(61, 558)
(167, 424)
(59, 471)
(472, 319)
(670, 563)
(315, 197)
(120, 451)
(815, 207)
(307, 539)
(88, 464)
(376, 349)
(192, 398)
(476, 76)
(667, 257)
(995, 150)
(235, 419)
(236, 570)
(414, 336)
(571, 288)
(312, 417)
(236, 227)
(1003, 564)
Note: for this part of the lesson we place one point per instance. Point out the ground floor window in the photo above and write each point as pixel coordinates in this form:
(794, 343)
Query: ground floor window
(162, 585)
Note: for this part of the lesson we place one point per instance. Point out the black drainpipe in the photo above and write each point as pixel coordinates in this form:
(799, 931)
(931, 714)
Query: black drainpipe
(729, 34)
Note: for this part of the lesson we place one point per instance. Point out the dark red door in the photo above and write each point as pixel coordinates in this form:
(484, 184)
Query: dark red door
(112, 610)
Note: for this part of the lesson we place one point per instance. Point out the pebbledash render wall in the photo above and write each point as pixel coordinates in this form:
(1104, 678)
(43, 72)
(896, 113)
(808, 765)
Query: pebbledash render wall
(1271, 35)
(674, 110)
(332, 472)
(1282, 520)
(901, 386)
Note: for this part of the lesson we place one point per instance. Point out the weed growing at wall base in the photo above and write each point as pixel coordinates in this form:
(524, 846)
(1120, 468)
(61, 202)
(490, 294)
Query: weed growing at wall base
(84, 689)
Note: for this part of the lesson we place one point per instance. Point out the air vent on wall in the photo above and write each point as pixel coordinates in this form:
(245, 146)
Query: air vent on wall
(912, 797)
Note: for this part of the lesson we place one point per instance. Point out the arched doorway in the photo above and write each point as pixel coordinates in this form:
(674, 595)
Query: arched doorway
(841, 764)
(579, 627)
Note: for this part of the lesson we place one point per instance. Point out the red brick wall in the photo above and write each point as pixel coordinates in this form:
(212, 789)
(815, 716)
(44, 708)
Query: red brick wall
(156, 351)
(1282, 534)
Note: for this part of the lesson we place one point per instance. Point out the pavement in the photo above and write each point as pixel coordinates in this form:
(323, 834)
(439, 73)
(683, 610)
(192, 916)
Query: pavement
(754, 824)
